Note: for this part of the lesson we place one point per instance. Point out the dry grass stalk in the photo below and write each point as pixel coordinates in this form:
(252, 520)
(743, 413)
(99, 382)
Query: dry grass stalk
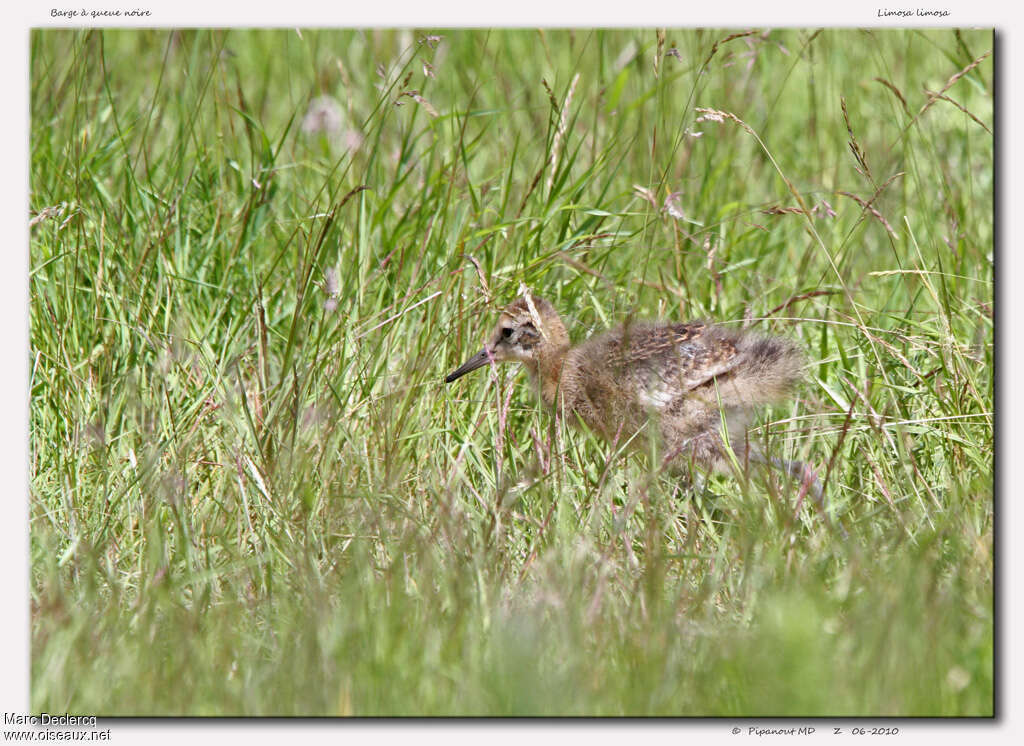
(778, 210)
(869, 208)
(855, 148)
(660, 53)
(720, 42)
(896, 92)
(942, 97)
(46, 213)
(563, 123)
(951, 82)
(868, 205)
(645, 194)
(415, 96)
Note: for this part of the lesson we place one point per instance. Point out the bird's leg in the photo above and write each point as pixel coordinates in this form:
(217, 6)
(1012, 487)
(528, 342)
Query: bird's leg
(798, 470)
(694, 480)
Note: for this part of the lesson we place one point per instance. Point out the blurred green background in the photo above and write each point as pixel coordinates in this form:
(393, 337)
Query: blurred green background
(256, 253)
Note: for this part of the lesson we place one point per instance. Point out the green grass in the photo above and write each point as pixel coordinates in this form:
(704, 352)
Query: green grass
(244, 501)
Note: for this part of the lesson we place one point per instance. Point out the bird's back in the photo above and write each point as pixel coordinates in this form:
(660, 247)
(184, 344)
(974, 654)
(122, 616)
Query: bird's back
(681, 374)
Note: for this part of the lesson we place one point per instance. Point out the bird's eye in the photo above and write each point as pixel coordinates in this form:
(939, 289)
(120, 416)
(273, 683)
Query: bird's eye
(506, 332)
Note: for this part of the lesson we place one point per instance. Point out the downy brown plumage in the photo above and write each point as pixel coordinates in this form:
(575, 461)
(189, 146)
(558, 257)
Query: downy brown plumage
(675, 382)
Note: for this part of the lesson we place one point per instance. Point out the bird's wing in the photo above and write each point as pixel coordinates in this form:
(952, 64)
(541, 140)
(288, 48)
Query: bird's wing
(667, 362)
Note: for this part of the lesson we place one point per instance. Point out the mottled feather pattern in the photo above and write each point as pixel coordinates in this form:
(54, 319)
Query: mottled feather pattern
(670, 381)
(670, 385)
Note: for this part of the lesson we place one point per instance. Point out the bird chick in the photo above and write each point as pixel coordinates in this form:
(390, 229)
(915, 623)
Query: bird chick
(675, 383)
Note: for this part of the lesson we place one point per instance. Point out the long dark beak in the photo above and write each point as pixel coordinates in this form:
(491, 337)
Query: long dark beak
(479, 360)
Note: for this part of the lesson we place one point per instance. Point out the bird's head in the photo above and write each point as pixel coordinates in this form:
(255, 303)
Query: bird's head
(529, 328)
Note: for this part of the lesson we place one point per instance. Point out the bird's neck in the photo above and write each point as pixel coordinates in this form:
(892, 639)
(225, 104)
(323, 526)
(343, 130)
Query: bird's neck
(546, 372)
